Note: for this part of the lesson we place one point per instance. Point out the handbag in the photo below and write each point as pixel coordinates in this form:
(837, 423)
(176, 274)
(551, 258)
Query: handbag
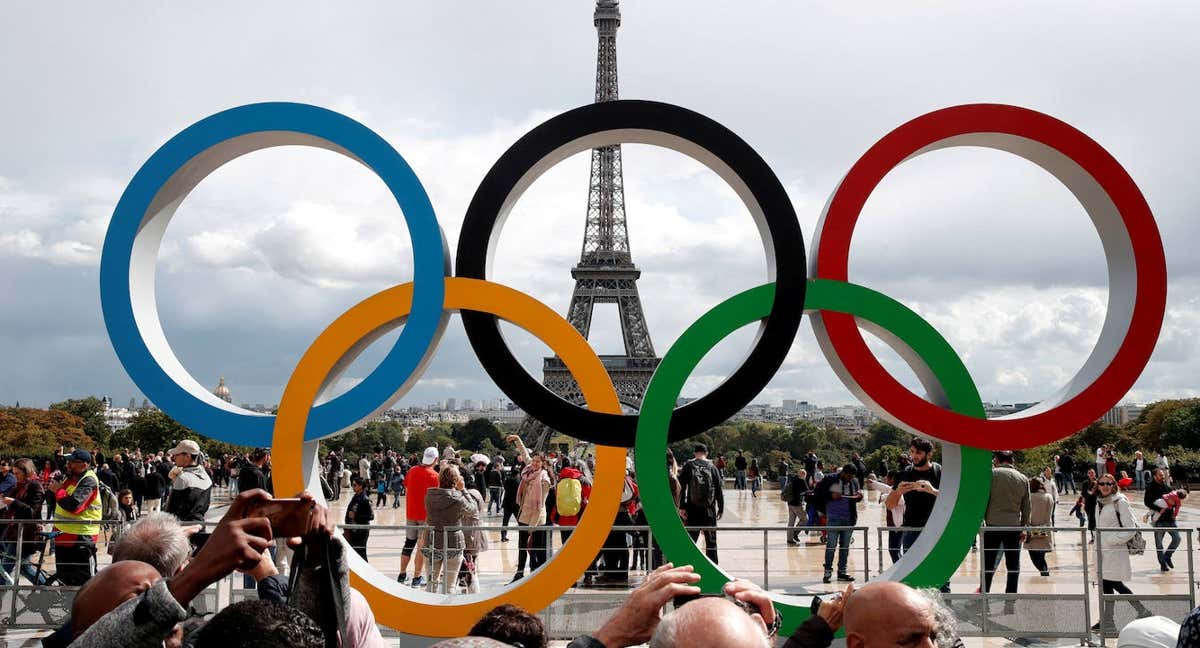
(1136, 545)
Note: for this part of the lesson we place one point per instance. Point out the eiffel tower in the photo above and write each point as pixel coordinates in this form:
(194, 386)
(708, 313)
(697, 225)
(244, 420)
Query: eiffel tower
(605, 273)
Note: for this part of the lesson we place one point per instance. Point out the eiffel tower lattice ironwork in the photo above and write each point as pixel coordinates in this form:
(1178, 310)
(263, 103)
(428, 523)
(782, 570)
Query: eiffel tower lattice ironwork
(606, 273)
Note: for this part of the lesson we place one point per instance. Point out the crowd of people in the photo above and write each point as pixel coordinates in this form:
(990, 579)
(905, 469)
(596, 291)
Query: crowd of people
(158, 501)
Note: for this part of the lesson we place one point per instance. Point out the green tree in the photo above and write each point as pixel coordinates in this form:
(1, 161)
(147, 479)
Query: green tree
(473, 434)
(418, 440)
(38, 434)
(91, 410)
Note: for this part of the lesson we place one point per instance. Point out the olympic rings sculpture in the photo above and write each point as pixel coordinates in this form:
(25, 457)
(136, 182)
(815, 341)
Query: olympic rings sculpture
(838, 309)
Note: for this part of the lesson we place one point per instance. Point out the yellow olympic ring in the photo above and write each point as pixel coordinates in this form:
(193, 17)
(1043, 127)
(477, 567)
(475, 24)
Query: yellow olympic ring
(386, 310)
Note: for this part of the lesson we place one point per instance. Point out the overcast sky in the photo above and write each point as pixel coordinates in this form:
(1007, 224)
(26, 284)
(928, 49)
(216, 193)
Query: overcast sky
(273, 246)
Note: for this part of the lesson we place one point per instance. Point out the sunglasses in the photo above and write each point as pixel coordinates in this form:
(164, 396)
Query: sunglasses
(1108, 483)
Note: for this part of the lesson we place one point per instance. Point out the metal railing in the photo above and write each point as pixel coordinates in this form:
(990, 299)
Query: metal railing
(1065, 612)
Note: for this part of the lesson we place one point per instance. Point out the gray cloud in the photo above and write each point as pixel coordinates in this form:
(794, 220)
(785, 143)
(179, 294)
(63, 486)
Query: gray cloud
(273, 246)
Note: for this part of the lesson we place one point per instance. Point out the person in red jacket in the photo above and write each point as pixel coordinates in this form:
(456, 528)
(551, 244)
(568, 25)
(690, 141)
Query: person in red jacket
(419, 480)
(565, 496)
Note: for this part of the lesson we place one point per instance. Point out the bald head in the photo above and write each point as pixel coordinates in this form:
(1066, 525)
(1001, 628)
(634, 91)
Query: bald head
(709, 622)
(886, 613)
(108, 589)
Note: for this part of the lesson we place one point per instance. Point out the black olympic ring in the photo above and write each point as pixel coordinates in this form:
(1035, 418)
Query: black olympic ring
(685, 131)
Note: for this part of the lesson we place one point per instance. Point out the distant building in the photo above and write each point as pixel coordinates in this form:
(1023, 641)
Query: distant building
(451, 404)
(1122, 414)
(222, 391)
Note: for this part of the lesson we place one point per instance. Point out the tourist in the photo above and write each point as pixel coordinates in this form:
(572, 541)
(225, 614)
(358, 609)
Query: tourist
(838, 496)
(416, 485)
(191, 487)
(532, 492)
(793, 495)
(77, 514)
(1139, 471)
(445, 506)
(1066, 466)
(1113, 568)
(8, 481)
(571, 495)
(1040, 540)
(755, 476)
(23, 502)
(153, 491)
(381, 490)
(253, 474)
(1189, 630)
(1008, 506)
(1150, 632)
(785, 473)
(396, 485)
(1091, 491)
(894, 518)
(334, 474)
(1101, 460)
(1161, 463)
(359, 513)
(475, 540)
(1165, 518)
(740, 466)
(495, 488)
(510, 508)
(512, 626)
(158, 540)
(918, 486)
(1110, 462)
(702, 498)
(615, 551)
(887, 613)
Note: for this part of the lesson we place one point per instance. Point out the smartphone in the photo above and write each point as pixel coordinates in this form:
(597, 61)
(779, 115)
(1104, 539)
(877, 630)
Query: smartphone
(824, 598)
(289, 516)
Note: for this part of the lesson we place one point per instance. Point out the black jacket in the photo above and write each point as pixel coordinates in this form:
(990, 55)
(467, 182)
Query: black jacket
(251, 477)
(1155, 490)
(685, 479)
(155, 485)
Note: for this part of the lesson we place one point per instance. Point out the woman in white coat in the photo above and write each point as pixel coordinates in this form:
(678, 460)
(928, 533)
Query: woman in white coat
(1112, 511)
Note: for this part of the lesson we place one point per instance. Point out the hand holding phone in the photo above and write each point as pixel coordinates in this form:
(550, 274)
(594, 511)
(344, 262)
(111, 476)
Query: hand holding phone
(289, 517)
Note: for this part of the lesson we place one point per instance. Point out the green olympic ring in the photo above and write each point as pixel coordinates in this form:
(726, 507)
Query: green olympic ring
(951, 529)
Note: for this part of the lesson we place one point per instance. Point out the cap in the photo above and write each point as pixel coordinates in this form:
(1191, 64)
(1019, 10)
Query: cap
(431, 456)
(80, 455)
(186, 446)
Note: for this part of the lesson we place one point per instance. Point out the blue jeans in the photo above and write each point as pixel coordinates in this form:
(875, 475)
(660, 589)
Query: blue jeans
(739, 480)
(833, 539)
(1164, 556)
(1139, 479)
(1067, 479)
(9, 560)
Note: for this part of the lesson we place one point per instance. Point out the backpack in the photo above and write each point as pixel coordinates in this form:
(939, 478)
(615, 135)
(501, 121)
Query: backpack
(568, 497)
(702, 492)
(110, 508)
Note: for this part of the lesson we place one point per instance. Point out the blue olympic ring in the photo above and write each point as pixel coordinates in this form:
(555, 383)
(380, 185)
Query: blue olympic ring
(140, 219)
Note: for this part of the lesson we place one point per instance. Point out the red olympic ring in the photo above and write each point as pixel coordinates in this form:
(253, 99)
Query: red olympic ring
(1132, 246)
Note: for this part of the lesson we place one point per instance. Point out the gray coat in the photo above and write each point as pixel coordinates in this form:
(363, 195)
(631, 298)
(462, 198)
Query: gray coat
(446, 507)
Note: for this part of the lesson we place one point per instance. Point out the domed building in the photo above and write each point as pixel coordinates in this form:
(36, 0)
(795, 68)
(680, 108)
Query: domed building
(222, 391)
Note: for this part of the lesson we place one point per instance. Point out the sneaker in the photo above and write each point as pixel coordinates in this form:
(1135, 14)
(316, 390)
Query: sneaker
(401, 578)
(418, 581)
(516, 577)
(792, 543)
(1170, 563)
(828, 578)
(845, 578)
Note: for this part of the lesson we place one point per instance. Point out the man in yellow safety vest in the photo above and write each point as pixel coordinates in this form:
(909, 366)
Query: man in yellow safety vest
(77, 513)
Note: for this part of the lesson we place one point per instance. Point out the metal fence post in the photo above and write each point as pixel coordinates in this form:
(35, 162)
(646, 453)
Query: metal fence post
(985, 625)
(867, 554)
(1191, 572)
(1100, 581)
(766, 570)
(1087, 605)
(17, 572)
